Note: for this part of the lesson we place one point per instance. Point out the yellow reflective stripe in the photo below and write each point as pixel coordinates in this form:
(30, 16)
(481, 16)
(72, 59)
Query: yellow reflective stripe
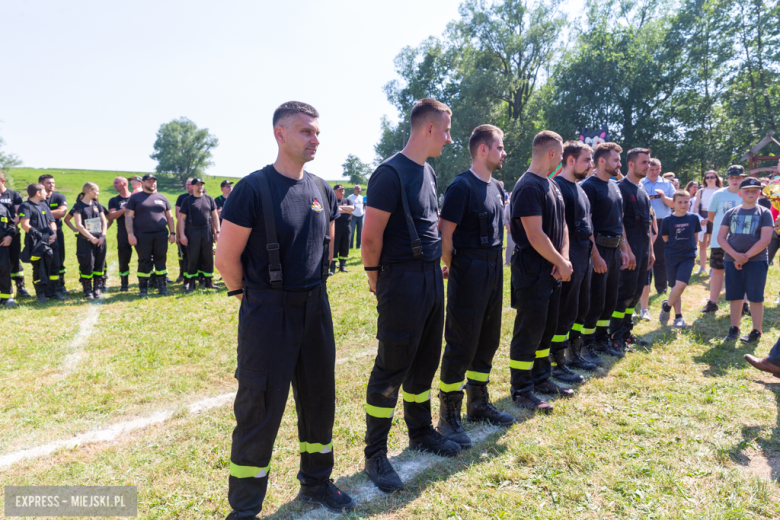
(5, 296)
(451, 387)
(99, 273)
(418, 398)
(34, 258)
(602, 323)
(159, 273)
(618, 315)
(577, 327)
(3, 219)
(188, 275)
(477, 376)
(144, 275)
(125, 274)
(248, 471)
(376, 411)
(315, 447)
(21, 214)
(585, 331)
(542, 353)
(207, 275)
(560, 338)
(521, 365)
(87, 276)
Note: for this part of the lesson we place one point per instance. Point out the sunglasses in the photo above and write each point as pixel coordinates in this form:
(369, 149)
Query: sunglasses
(710, 177)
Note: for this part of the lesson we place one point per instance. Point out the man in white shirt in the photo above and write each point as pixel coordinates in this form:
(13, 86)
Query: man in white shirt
(356, 200)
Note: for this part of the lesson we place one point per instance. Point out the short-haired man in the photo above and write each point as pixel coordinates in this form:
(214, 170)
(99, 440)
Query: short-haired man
(401, 252)
(356, 226)
(197, 230)
(540, 264)
(637, 223)
(12, 200)
(7, 232)
(146, 216)
(341, 245)
(40, 241)
(226, 187)
(136, 184)
(184, 259)
(611, 252)
(58, 206)
(471, 225)
(660, 190)
(116, 212)
(575, 294)
(273, 256)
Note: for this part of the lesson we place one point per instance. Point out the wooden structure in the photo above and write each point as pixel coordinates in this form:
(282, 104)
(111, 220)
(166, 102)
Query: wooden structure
(753, 159)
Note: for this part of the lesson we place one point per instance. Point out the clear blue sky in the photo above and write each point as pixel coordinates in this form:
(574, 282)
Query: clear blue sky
(86, 84)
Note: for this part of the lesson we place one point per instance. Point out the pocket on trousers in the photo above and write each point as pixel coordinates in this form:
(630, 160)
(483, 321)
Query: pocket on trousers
(250, 406)
(393, 350)
(460, 323)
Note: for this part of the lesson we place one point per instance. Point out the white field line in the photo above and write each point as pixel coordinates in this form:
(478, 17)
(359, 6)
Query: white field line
(76, 345)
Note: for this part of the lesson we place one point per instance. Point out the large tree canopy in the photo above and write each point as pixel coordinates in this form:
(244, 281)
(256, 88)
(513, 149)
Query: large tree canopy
(184, 149)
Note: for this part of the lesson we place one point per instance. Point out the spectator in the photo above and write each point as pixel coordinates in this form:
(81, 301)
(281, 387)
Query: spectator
(356, 200)
(710, 185)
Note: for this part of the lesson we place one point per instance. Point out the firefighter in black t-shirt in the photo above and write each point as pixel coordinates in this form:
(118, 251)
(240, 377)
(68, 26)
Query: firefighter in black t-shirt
(472, 225)
(116, 212)
(226, 187)
(58, 206)
(273, 255)
(198, 227)
(341, 245)
(40, 242)
(146, 216)
(91, 223)
(12, 200)
(7, 232)
(184, 260)
(539, 266)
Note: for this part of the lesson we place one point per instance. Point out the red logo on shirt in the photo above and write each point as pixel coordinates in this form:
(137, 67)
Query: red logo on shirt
(316, 206)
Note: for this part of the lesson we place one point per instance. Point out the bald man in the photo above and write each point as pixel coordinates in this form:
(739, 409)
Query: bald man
(116, 212)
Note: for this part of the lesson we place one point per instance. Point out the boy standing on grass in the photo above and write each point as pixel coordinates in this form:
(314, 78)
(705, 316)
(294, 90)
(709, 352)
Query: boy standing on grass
(679, 230)
(744, 234)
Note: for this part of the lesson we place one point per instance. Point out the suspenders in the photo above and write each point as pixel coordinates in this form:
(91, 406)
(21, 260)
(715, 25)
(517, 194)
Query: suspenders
(484, 240)
(417, 252)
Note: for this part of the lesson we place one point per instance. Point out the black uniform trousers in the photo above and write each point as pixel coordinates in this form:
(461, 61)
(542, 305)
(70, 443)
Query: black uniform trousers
(536, 295)
(14, 251)
(632, 283)
(473, 328)
(91, 257)
(184, 259)
(410, 304)
(124, 253)
(61, 248)
(603, 296)
(152, 250)
(284, 337)
(584, 305)
(572, 299)
(46, 271)
(659, 267)
(341, 244)
(5, 273)
(200, 248)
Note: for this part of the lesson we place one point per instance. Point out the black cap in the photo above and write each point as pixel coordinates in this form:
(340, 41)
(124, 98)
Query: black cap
(149, 176)
(136, 178)
(750, 182)
(197, 180)
(338, 187)
(225, 183)
(735, 170)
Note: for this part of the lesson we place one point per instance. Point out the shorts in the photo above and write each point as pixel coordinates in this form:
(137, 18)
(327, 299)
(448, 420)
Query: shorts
(750, 281)
(716, 258)
(679, 270)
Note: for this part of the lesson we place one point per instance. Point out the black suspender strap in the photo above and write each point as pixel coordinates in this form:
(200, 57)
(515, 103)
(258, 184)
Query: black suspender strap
(326, 241)
(417, 251)
(484, 240)
(272, 242)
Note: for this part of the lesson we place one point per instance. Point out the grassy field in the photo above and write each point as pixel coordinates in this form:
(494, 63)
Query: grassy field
(683, 429)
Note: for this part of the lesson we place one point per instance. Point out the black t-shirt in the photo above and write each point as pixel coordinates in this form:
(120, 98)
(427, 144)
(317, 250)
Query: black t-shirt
(301, 225)
(7, 227)
(180, 200)
(536, 196)
(88, 211)
(198, 211)
(344, 218)
(467, 196)
(384, 193)
(606, 206)
(220, 202)
(11, 199)
(118, 203)
(56, 201)
(149, 211)
(682, 236)
(765, 202)
(636, 214)
(38, 213)
(577, 211)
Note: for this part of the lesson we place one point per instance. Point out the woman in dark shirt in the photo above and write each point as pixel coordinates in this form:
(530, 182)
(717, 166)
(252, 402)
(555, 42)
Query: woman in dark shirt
(91, 224)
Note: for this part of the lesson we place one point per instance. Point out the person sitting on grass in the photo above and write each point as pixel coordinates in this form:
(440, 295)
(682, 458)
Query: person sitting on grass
(679, 231)
(744, 234)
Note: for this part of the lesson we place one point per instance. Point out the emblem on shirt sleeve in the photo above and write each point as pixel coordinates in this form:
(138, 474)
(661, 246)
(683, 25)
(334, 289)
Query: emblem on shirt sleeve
(316, 206)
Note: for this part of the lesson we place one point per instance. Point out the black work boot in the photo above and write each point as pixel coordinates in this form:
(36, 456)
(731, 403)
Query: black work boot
(529, 401)
(332, 268)
(190, 286)
(431, 441)
(125, 283)
(479, 407)
(55, 290)
(561, 371)
(21, 292)
(40, 293)
(328, 496)
(87, 285)
(152, 281)
(588, 353)
(612, 347)
(343, 266)
(210, 283)
(550, 388)
(7, 303)
(382, 474)
(143, 285)
(576, 358)
(61, 286)
(97, 283)
(161, 286)
(449, 418)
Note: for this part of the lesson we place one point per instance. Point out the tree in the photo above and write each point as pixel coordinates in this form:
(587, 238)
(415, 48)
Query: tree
(8, 161)
(356, 170)
(184, 149)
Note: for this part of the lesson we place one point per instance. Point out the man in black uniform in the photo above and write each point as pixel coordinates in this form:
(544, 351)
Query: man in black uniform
(401, 252)
(341, 247)
(198, 227)
(637, 223)
(539, 265)
(274, 255)
(58, 206)
(226, 187)
(611, 253)
(116, 212)
(7, 232)
(577, 162)
(40, 241)
(12, 200)
(471, 225)
(184, 260)
(146, 215)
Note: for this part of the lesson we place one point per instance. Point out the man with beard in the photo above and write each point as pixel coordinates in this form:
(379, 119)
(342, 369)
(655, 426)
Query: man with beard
(637, 223)
(58, 206)
(471, 225)
(197, 230)
(116, 212)
(575, 294)
(401, 252)
(611, 253)
(184, 259)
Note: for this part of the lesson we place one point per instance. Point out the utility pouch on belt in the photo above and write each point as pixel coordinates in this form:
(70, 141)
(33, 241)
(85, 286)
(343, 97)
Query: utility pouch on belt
(607, 241)
(484, 239)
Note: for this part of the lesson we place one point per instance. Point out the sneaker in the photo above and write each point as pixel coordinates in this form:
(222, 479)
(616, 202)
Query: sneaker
(434, 442)
(328, 496)
(699, 271)
(710, 273)
(645, 314)
(548, 387)
(778, 300)
(679, 323)
(665, 315)
(382, 474)
(733, 334)
(710, 308)
(529, 401)
(745, 309)
(753, 337)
